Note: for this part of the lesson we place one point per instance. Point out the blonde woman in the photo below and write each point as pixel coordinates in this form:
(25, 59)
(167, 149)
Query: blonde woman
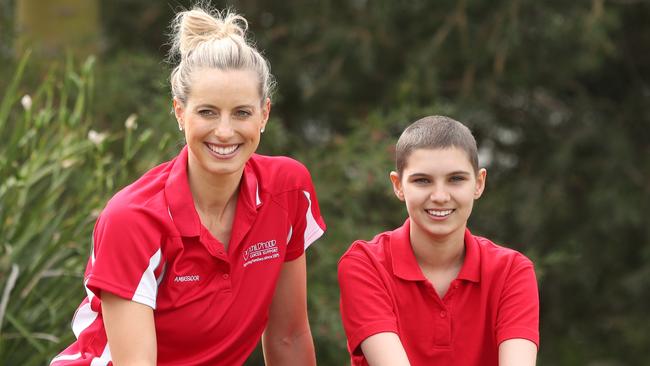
(203, 255)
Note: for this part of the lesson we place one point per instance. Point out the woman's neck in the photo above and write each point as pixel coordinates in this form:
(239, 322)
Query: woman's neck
(212, 192)
(215, 200)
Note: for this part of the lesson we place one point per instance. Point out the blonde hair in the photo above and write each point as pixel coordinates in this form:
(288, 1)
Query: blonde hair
(206, 38)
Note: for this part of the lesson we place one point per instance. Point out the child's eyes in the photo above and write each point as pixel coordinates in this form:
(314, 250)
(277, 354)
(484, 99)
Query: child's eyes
(421, 181)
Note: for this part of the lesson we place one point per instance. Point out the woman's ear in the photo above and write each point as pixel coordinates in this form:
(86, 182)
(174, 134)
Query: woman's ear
(179, 108)
(397, 185)
(266, 112)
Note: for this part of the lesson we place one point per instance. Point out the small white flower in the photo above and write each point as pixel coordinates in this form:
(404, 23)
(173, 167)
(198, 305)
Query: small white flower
(26, 101)
(96, 137)
(68, 163)
(131, 123)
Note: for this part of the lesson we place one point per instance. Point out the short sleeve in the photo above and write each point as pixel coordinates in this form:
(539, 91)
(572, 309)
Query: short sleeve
(307, 223)
(126, 256)
(366, 305)
(518, 315)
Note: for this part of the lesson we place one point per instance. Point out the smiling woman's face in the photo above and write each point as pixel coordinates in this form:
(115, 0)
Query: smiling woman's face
(222, 120)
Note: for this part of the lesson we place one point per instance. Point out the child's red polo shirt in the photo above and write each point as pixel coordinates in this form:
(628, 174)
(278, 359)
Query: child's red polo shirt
(494, 298)
(210, 305)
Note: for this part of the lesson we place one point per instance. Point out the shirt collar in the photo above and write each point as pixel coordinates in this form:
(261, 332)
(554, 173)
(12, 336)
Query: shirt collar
(471, 270)
(406, 267)
(181, 204)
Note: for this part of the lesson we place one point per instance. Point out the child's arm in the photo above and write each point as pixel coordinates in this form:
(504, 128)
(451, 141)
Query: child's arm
(384, 349)
(517, 352)
(368, 313)
(518, 320)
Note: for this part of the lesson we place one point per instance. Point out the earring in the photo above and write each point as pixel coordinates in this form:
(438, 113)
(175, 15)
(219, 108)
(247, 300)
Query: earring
(180, 127)
(262, 130)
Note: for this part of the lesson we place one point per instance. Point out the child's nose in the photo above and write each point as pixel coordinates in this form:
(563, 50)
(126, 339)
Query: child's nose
(439, 194)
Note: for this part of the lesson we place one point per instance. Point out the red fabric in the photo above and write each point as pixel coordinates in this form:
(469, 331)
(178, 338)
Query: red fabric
(210, 305)
(493, 298)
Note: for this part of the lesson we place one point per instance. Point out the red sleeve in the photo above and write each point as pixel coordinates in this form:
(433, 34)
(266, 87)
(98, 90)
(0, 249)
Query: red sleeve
(366, 306)
(308, 224)
(126, 257)
(518, 315)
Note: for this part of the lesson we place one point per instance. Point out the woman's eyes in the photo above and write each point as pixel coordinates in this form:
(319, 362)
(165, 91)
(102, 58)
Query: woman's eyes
(457, 178)
(238, 114)
(206, 112)
(243, 113)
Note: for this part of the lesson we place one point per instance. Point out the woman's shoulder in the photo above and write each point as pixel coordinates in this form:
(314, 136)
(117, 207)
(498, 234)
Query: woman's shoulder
(141, 201)
(281, 173)
(276, 163)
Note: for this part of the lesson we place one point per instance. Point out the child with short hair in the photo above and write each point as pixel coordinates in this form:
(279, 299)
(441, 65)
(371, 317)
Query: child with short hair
(430, 292)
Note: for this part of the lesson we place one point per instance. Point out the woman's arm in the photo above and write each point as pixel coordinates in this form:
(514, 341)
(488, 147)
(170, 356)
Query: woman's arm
(130, 330)
(287, 338)
(384, 349)
(517, 352)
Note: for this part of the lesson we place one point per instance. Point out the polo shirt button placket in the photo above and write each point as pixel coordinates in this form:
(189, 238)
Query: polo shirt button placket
(443, 314)
(225, 276)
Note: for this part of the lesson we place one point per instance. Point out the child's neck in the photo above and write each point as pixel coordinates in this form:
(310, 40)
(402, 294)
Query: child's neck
(440, 259)
(438, 252)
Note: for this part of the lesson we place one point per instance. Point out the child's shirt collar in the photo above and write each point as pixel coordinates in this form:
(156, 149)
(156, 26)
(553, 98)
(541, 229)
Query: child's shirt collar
(406, 267)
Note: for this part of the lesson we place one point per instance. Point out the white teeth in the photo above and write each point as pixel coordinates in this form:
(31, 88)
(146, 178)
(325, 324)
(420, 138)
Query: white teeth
(222, 150)
(439, 213)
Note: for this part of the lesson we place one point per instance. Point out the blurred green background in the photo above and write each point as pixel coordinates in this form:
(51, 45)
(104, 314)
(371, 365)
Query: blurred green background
(556, 92)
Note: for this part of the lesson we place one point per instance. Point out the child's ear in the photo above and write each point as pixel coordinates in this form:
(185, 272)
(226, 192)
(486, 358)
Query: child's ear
(481, 179)
(397, 185)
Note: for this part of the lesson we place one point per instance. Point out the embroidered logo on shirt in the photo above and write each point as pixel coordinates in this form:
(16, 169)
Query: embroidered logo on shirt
(192, 278)
(261, 251)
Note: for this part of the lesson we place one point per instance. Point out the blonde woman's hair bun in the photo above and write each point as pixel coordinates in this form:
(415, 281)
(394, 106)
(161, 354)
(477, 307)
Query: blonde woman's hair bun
(193, 27)
(207, 38)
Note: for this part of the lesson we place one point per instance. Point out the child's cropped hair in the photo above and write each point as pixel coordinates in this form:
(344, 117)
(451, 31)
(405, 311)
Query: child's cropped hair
(435, 132)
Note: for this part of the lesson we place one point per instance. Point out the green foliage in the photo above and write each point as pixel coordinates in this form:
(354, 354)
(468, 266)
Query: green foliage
(57, 173)
(556, 93)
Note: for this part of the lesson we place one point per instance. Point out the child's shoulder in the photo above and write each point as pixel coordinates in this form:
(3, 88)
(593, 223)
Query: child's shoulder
(498, 255)
(369, 250)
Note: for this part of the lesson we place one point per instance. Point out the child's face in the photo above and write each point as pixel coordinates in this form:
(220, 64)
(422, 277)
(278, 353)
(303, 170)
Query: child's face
(439, 187)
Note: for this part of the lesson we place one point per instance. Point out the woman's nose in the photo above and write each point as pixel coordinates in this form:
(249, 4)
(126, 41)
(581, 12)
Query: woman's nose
(223, 130)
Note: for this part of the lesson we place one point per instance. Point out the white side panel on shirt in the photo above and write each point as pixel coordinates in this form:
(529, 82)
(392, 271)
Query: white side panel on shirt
(66, 357)
(312, 230)
(84, 316)
(290, 233)
(148, 287)
(104, 359)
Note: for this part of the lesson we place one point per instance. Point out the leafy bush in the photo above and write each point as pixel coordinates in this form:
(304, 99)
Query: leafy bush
(57, 173)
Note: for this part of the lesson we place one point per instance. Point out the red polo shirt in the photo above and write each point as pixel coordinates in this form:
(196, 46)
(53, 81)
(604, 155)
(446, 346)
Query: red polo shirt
(210, 305)
(494, 298)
